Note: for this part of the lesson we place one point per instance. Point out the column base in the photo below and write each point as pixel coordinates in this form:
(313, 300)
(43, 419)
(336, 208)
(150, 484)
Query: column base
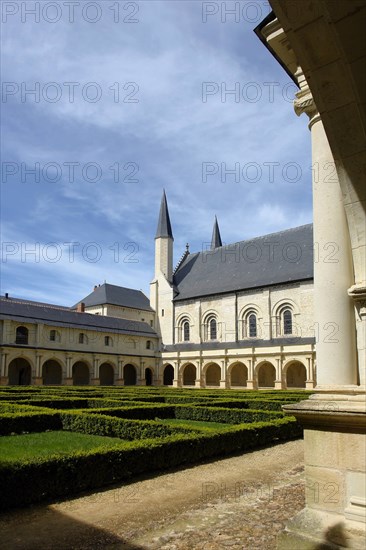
(68, 382)
(175, 383)
(141, 382)
(278, 385)
(38, 381)
(4, 381)
(335, 473)
(197, 383)
(95, 382)
(119, 382)
(251, 385)
(317, 529)
(223, 384)
(310, 384)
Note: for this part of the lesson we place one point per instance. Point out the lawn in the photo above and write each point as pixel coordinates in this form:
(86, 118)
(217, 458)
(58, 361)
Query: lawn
(195, 424)
(34, 445)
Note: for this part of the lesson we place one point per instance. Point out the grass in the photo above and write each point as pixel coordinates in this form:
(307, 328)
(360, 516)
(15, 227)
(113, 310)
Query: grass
(35, 445)
(195, 424)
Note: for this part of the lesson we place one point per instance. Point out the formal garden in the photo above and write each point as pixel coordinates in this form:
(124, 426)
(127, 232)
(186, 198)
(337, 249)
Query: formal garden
(60, 441)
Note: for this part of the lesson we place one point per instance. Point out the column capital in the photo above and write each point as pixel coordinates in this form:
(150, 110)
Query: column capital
(304, 101)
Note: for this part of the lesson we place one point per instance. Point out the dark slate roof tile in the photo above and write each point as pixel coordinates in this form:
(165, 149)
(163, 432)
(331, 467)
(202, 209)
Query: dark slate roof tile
(271, 259)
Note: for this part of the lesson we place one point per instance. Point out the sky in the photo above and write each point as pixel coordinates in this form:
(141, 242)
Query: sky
(106, 103)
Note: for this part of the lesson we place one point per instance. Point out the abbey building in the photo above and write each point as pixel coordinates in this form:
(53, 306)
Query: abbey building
(233, 316)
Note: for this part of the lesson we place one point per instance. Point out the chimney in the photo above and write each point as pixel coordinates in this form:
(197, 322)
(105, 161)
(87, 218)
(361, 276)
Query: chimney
(95, 287)
(6, 295)
(80, 307)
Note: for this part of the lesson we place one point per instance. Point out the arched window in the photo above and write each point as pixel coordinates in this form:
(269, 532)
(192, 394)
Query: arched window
(52, 335)
(212, 329)
(186, 331)
(148, 344)
(287, 321)
(252, 325)
(82, 338)
(21, 336)
(108, 341)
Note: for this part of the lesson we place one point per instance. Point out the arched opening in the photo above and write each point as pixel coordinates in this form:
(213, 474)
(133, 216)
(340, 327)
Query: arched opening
(266, 376)
(129, 375)
(213, 375)
(296, 375)
(239, 375)
(189, 375)
(168, 375)
(80, 374)
(21, 335)
(252, 325)
(52, 373)
(148, 377)
(20, 372)
(106, 375)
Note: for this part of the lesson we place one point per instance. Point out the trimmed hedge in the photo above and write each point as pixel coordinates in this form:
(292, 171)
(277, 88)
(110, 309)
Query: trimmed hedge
(116, 427)
(29, 422)
(29, 482)
(225, 415)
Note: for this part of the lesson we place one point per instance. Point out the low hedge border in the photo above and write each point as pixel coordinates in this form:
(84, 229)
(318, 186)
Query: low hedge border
(25, 483)
(224, 415)
(116, 427)
(29, 422)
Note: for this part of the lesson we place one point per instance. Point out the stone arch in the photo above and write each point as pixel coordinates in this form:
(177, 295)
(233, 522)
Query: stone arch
(130, 375)
(52, 373)
(80, 374)
(189, 375)
(238, 375)
(106, 374)
(212, 374)
(20, 372)
(148, 376)
(266, 375)
(295, 375)
(168, 375)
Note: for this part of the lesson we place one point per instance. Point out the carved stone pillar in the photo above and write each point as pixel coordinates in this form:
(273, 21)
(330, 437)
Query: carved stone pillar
(333, 272)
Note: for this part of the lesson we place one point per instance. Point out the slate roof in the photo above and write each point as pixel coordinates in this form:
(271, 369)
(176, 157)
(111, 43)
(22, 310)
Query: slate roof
(271, 259)
(164, 228)
(116, 296)
(35, 313)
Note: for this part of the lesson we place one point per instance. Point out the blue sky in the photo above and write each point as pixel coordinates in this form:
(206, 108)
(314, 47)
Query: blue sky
(125, 106)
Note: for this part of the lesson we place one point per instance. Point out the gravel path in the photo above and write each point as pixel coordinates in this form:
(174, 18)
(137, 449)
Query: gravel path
(241, 502)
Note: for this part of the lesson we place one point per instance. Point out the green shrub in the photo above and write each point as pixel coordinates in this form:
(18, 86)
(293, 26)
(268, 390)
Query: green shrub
(24, 483)
(225, 415)
(29, 422)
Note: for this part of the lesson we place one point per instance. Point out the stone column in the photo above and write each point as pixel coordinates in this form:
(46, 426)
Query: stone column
(333, 271)
(310, 382)
(251, 382)
(119, 380)
(198, 374)
(223, 374)
(4, 378)
(38, 380)
(176, 380)
(142, 380)
(68, 379)
(278, 381)
(95, 374)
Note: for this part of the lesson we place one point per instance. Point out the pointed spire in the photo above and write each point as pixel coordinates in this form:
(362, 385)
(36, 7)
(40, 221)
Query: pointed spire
(216, 237)
(164, 228)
